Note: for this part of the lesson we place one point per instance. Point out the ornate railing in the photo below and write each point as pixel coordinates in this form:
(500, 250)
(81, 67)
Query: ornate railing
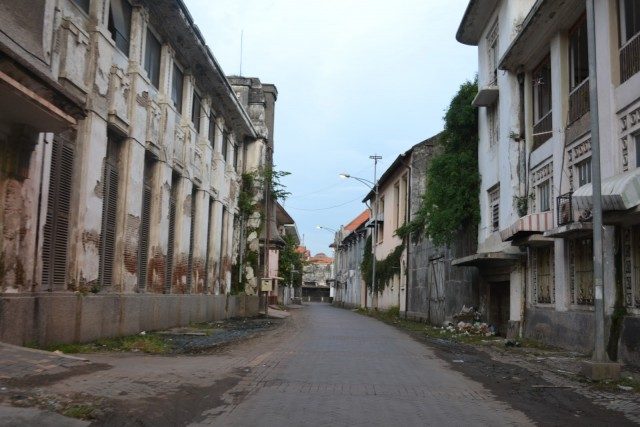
(542, 130)
(630, 58)
(579, 101)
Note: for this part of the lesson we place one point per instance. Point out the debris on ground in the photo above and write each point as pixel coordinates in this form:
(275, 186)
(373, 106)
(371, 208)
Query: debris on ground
(468, 314)
(466, 328)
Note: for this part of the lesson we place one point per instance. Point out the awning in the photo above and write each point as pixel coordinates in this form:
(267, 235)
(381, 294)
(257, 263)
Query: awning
(528, 224)
(486, 96)
(619, 193)
(571, 230)
(488, 260)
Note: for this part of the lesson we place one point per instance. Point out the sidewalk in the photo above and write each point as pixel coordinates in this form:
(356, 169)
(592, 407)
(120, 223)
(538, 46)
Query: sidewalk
(22, 366)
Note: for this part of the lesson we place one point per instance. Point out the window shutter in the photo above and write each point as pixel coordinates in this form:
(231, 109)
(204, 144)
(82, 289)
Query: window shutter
(56, 228)
(170, 241)
(109, 212)
(143, 245)
(191, 235)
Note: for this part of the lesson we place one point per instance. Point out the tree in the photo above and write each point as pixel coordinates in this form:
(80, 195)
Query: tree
(450, 202)
(289, 260)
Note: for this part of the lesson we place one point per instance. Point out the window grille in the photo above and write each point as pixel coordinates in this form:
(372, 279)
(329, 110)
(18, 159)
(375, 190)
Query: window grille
(196, 111)
(194, 195)
(171, 239)
(145, 222)
(494, 207)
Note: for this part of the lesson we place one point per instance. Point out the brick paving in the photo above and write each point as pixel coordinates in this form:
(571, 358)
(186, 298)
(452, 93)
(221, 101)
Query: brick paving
(344, 369)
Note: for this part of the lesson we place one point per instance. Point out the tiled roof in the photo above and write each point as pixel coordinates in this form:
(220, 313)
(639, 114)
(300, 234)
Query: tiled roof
(357, 221)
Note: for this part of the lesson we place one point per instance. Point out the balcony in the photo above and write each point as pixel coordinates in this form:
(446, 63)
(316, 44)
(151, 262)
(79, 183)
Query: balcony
(630, 58)
(536, 223)
(542, 130)
(579, 101)
(569, 225)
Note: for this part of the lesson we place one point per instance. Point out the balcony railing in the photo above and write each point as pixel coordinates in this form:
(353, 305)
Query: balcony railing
(565, 209)
(542, 130)
(630, 58)
(579, 101)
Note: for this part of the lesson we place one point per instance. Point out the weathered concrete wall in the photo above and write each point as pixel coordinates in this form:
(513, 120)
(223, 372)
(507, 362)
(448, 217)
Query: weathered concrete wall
(64, 318)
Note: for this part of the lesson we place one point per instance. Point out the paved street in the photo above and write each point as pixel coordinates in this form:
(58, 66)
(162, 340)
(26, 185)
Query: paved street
(321, 366)
(365, 374)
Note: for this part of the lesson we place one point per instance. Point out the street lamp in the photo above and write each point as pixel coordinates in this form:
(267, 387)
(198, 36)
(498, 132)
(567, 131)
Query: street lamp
(373, 186)
(321, 227)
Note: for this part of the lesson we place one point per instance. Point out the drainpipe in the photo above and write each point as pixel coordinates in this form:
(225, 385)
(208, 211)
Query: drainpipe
(39, 215)
(599, 353)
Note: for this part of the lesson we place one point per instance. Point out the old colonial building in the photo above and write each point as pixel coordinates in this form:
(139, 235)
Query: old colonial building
(535, 246)
(349, 252)
(435, 290)
(122, 146)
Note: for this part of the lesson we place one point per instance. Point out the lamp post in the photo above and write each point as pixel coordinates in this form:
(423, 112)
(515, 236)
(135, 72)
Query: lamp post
(373, 186)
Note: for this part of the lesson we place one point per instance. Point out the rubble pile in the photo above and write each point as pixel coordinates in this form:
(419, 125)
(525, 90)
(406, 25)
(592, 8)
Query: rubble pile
(468, 328)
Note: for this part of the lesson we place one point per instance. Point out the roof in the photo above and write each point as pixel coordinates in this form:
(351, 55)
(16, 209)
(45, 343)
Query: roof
(545, 19)
(358, 221)
(282, 216)
(320, 258)
(400, 161)
(475, 19)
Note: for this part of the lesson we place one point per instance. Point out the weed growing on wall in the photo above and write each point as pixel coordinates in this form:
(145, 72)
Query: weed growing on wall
(450, 202)
(385, 268)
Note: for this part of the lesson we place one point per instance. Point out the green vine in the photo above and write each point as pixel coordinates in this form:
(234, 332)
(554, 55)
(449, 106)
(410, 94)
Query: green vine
(450, 202)
(385, 269)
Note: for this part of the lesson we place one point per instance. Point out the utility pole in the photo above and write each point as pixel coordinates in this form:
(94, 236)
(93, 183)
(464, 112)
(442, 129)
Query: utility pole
(375, 159)
(600, 367)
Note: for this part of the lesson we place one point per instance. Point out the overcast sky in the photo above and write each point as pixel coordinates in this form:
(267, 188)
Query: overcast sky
(355, 77)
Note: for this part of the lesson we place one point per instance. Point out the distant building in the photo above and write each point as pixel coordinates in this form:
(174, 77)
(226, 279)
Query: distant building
(349, 251)
(317, 278)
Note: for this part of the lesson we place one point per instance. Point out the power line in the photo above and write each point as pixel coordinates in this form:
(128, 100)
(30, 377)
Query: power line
(327, 208)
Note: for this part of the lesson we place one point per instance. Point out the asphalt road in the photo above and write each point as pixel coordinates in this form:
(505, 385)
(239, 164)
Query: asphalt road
(337, 367)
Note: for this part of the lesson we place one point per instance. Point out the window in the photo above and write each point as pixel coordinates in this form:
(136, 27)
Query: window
(152, 58)
(120, 24)
(196, 110)
(544, 194)
(225, 139)
(176, 87)
(583, 271)
(56, 227)
(629, 19)
(637, 140)
(584, 172)
(493, 123)
(168, 276)
(578, 54)
(207, 283)
(84, 4)
(629, 11)
(543, 275)
(192, 229)
(236, 153)
(380, 220)
(396, 197)
(494, 208)
(145, 221)
(212, 128)
(492, 52)
(542, 90)
(110, 182)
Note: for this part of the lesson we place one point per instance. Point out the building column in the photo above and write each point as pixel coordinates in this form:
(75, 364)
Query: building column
(131, 170)
(181, 240)
(200, 241)
(214, 247)
(85, 223)
(159, 226)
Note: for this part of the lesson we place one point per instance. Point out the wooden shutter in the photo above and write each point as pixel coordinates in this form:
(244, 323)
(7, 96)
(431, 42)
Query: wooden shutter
(208, 253)
(145, 221)
(56, 228)
(170, 241)
(194, 194)
(109, 215)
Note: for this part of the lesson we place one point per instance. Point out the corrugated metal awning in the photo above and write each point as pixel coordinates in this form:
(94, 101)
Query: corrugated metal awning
(528, 224)
(619, 193)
